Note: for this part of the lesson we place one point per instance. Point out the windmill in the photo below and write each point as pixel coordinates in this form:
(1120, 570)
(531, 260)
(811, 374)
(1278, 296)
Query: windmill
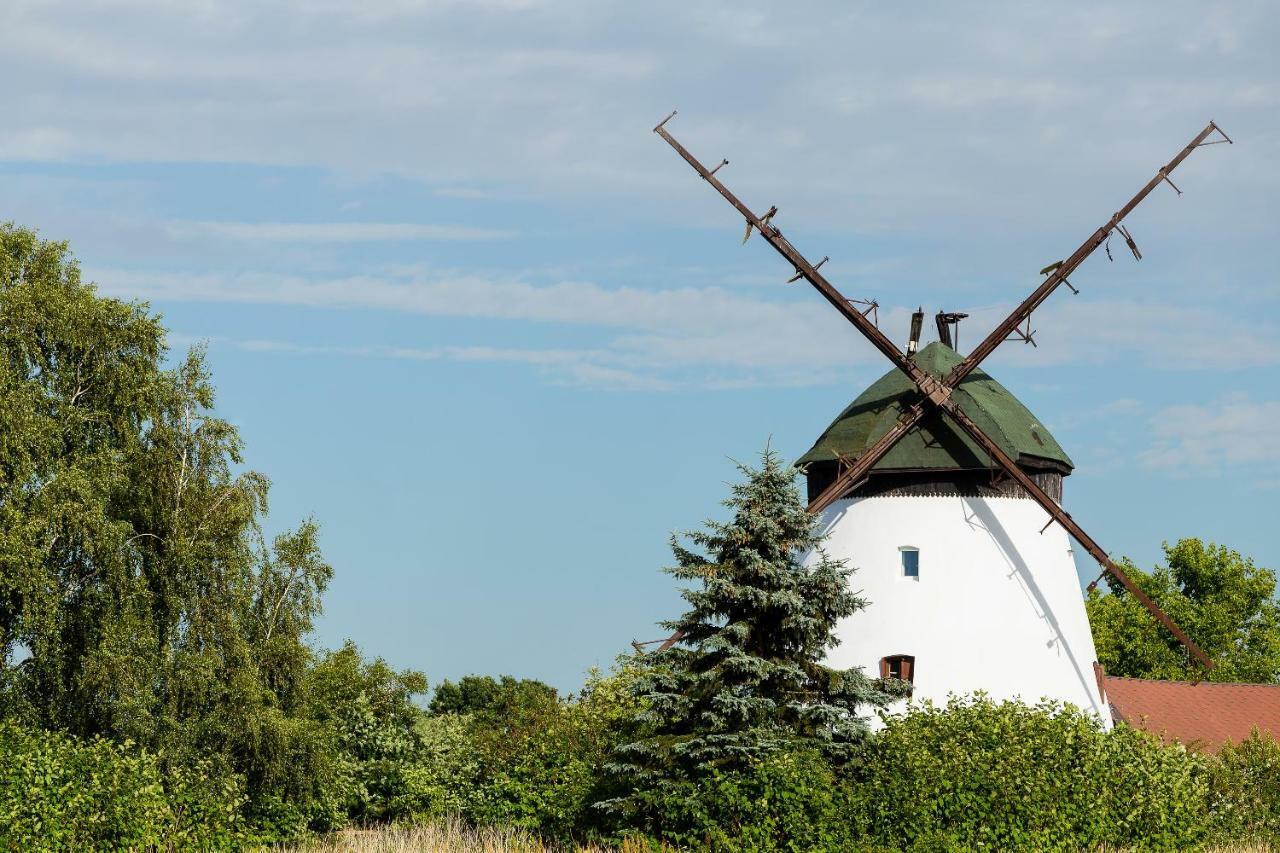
(935, 395)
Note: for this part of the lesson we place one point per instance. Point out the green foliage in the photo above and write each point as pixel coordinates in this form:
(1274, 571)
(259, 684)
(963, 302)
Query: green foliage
(784, 801)
(61, 793)
(133, 569)
(1221, 599)
(1245, 783)
(484, 694)
(368, 709)
(156, 689)
(444, 779)
(1005, 776)
(746, 679)
(541, 762)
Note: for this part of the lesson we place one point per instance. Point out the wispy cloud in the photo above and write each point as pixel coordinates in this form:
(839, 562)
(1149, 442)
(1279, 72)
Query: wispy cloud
(1154, 334)
(1234, 430)
(690, 309)
(727, 337)
(503, 94)
(332, 232)
(664, 339)
(585, 368)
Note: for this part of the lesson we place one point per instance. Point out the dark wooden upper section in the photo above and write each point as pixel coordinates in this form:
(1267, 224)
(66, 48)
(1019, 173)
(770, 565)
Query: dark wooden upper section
(985, 482)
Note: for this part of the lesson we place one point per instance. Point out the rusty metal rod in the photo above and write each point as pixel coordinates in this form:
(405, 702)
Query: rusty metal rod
(1059, 275)
(860, 468)
(1077, 532)
(1050, 284)
(775, 239)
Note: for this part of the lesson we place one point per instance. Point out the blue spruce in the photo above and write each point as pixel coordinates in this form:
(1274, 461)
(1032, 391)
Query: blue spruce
(746, 679)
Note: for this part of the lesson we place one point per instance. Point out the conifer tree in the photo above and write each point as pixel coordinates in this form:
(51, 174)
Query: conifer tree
(746, 678)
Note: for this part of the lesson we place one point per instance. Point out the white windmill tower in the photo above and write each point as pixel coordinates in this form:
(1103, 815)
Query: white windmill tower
(966, 592)
(944, 491)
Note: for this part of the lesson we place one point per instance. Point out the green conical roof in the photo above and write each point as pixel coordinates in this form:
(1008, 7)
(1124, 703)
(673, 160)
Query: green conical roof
(937, 442)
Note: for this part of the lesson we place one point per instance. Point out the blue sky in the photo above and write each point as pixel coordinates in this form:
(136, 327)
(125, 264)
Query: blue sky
(488, 329)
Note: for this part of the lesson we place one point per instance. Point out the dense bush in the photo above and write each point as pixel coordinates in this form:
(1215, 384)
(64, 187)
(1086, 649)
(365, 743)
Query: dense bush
(540, 762)
(367, 709)
(785, 801)
(1245, 781)
(974, 774)
(485, 694)
(1225, 602)
(1002, 775)
(58, 792)
(444, 778)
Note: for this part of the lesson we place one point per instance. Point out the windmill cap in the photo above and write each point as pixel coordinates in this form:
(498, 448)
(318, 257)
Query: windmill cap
(937, 443)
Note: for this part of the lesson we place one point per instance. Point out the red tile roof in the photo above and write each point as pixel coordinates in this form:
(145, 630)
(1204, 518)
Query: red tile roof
(1202, 715)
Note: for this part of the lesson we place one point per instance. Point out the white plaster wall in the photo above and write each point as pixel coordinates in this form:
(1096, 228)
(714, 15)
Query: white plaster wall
(997, 606)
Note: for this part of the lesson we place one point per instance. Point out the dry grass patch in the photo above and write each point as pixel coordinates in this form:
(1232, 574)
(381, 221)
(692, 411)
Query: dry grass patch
(451, 836)
(456, 837)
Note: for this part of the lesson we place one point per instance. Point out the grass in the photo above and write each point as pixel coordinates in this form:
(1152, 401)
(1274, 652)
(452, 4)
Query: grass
(455, 837)
(451, 836)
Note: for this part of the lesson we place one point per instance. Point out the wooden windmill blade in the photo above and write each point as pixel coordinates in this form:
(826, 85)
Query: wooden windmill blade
(1058, 514)
(1057, 275)
(803, 268)
(923, 380)
(1058, 272)
(850, 477)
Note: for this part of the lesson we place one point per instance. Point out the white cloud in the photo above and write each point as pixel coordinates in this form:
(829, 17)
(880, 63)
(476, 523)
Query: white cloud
(1154, 334)
(715, 336)
(587, 368)
(957, 113)
(663, 335)
(332, 232)
(1234, 430)
(972, 125)
(966, 91)
(683, 310)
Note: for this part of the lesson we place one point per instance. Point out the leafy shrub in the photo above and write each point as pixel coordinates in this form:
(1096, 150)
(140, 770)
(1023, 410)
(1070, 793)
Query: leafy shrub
(1218, 596)
(444, 777)
(476, 694)
(206, 808)
(367, 710)
(1245, 782)
(784, 801)
(1007, 776)
(58, 792)
(542, 760)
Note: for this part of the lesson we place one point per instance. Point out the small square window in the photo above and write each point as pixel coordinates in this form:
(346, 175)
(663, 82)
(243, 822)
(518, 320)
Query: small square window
(910, 563)
(901, 667)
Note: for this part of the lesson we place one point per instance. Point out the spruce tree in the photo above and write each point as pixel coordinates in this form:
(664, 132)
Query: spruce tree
(746, 678)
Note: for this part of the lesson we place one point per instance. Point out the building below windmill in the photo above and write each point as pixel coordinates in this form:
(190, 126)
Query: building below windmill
(1202, 715)
(968, 589)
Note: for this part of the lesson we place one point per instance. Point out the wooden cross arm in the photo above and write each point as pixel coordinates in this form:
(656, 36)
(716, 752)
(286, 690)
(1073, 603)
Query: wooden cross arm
(806, 270)
(1058, 275)
(1077, 532)
(867, 460)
